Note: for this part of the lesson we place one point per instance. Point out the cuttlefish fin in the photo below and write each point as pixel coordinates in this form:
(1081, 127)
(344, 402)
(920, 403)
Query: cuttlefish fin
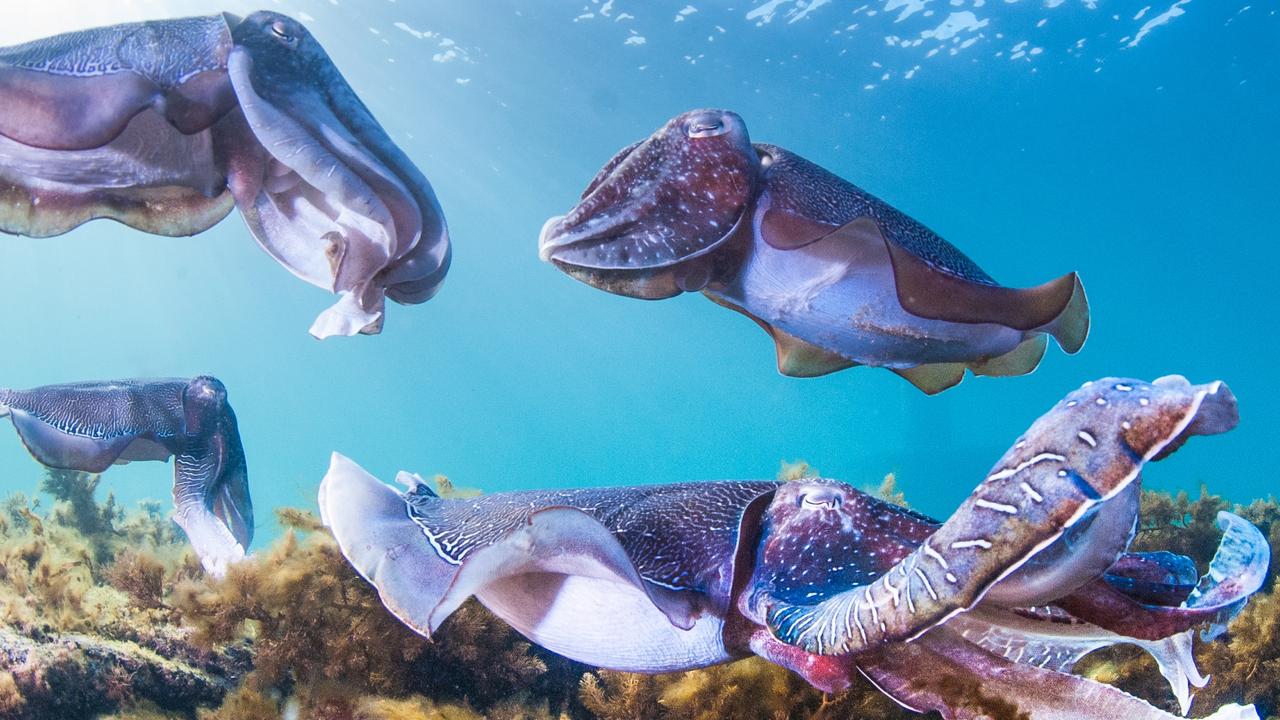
(1058, 307)
(53, 447)
(933, 378)
(941, 672)
(796, 357)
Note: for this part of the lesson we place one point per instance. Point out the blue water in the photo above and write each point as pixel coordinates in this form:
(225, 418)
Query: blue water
(1151, 169)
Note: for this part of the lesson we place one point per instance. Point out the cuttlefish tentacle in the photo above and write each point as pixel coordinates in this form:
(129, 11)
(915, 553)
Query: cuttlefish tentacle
(1086, 451)
(167, 125)
(1237, 571)
(90, 426)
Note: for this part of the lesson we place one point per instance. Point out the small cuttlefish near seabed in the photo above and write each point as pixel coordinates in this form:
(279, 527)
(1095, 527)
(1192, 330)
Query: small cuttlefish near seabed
(89, 426)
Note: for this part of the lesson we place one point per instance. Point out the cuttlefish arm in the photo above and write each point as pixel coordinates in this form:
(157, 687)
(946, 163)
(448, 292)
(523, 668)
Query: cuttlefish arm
(942, 672)
(166, 125)
(90, 426)
(547, 564)
(1237, 571)
(1085, 452)
(1125, 607)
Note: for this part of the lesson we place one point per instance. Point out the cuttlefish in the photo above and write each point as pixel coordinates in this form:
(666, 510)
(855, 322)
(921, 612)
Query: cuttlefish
(835, 275)
(166, 125)
(982, 615)
(90, 426)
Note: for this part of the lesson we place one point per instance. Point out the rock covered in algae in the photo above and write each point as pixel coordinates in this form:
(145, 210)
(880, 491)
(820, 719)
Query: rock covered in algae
(85, 625)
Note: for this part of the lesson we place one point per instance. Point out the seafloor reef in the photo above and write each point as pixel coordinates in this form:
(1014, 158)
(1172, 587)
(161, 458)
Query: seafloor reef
(107, 614)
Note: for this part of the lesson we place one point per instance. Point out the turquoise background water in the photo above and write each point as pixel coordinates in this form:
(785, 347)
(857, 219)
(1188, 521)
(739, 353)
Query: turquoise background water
(1151, 168)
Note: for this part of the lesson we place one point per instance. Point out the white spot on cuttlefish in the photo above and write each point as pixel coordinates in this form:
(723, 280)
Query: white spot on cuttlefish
(928, 550)
(1087, 439)
(977, 542)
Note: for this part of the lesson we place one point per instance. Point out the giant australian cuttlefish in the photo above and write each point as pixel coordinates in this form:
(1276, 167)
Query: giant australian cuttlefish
(836, 276)
(166, 125)
(90, 426)
(978, 616)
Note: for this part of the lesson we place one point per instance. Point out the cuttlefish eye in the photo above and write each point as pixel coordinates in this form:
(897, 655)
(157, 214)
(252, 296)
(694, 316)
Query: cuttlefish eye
(281, 30)
(704, 126)
(823, 499)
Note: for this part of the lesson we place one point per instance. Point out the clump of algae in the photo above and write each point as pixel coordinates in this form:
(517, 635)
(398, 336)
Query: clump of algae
(320, 636)
(85, 624)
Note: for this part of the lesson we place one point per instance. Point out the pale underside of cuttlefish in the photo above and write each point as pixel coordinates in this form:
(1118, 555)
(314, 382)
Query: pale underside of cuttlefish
(166, 125)
(90, 426)
(983, 613)
(835, 275)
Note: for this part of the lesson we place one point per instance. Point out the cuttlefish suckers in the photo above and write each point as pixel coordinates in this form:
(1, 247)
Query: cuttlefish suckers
(90, 426)
(835, 275)
(167, 125)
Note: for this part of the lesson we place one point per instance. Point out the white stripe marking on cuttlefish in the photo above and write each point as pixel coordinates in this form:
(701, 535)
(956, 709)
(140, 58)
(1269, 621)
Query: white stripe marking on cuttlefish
(998, 507)
(1008, 472)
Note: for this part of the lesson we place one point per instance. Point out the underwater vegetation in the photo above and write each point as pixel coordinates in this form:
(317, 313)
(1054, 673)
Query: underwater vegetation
(107, 613)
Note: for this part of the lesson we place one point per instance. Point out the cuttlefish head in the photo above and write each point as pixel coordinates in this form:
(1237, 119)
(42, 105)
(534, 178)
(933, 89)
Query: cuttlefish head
(650, 224)
(325, 190)
(223, 493)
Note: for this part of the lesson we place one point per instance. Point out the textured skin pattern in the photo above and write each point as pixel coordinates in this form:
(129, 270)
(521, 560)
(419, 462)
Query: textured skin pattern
(681, 536)
(820, 537)
(1085, 450)
(798, 186)
(663, 201)
(166, 52)
(106, 410)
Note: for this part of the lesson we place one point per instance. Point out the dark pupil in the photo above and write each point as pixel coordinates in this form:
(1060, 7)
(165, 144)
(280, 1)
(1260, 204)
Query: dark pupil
(280, 33)
(706, 126)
